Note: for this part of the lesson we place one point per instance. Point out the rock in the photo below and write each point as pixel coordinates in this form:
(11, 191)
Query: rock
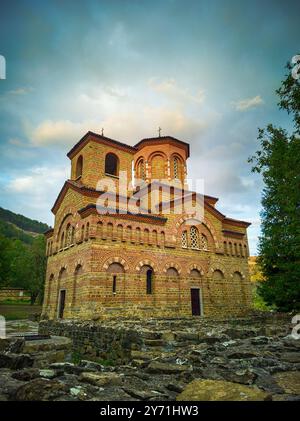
(260, 340)
(145, 355)
(266, 382)
(154, 342)
(290, 357)
(241, 354)
(48, 374)
(240, 376)
(92, 365)
(26, 374)
(289, 381)
(4, 343)
(8, 385)
(103, 379)
(186, 336)
(156, 367)
(78, 392)
(140, 394)
(168, 336)
(40, 390)
(56, 343)
(175, 387)
(218, 390)
(15, 361)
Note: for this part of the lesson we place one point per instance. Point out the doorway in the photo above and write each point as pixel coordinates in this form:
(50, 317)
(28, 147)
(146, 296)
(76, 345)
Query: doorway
(195, 302)
(61, 306)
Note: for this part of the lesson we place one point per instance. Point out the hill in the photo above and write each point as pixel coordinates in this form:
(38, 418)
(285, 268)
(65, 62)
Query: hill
(23, 222)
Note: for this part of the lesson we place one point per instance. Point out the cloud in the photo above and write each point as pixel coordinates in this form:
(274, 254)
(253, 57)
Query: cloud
(122, 125)
(246, 104)
(170, 88)
(20, 91)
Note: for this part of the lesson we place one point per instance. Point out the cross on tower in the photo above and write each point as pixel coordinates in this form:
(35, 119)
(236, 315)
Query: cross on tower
(159, 131)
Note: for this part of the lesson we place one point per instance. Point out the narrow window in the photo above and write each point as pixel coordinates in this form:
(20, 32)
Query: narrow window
(114, 288)
(149, 281)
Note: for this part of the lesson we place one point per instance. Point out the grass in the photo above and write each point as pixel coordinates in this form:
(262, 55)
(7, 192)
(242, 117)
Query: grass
(9, 301)
(18, 311)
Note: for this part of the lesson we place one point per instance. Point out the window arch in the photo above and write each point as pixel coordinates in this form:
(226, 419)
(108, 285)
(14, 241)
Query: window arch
(115, 270)
(172, 272)
(141, 173)
(218, 275)
(195, 273)
(79, 167)
(111, 164)
(194, 234)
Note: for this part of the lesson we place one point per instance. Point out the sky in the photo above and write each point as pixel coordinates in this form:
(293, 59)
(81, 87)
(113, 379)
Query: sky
(204, 71)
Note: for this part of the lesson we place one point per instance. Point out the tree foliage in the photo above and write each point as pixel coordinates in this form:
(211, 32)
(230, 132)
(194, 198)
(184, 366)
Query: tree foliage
(278, 161)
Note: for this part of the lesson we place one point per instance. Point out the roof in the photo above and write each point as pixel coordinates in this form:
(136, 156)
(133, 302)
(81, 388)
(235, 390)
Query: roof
(163, 139)
(100, 139)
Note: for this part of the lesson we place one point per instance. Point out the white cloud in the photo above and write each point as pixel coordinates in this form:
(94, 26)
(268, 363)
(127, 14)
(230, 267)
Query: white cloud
(171, 89)
(246, 104)
(20, 91)
(39, 187)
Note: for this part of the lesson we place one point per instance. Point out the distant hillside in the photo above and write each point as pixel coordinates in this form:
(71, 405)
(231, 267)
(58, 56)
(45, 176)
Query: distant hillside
(23, 222)
(16, 226)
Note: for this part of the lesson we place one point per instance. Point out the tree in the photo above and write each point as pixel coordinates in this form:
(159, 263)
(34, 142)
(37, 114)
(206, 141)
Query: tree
(278, 161)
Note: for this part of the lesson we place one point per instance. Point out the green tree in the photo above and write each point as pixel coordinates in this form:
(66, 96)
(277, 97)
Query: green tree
(278, 161)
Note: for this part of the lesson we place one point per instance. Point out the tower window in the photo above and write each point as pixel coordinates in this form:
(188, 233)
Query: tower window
(111, 164)
(175, 162)
(79, 165)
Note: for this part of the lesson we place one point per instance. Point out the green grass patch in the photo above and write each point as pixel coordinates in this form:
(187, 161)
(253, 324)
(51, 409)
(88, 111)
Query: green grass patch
(18, 311)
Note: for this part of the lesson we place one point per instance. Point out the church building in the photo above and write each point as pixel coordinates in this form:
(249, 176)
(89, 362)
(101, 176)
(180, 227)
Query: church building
(125, 245)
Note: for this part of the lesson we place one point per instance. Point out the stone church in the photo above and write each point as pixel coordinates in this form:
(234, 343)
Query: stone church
(143, 255)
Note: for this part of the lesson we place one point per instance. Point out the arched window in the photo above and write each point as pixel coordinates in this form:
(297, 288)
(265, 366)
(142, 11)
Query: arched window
(204, 242)
(87, 231)
(82, 233)
(79, 166)
(172, 272)
(115, 270)
(120, 232)
(129, 233)
(184, 240)
(195, 274)
(218, 275)
(194, 233)
(149, 281)
(175, 164)
(154, 237)
(99, 229)
(62, 240)
(109, 230)
(225, 247)
(138, 234)
(68, 235)
(111, 164)
(146, 236)
(141, 173)
(148, 271)
(77, 273)
(241, 250)
(162, 239)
